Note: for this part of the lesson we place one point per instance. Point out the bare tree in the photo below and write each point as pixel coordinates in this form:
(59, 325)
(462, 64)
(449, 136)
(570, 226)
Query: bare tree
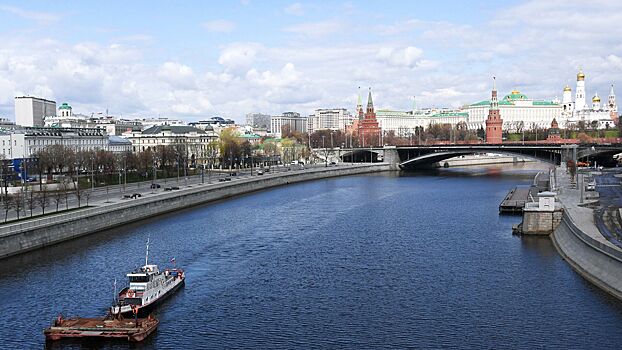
(58, 198)
(7, 204)
(31, 201)
(65, 191)
(44, 198)
(87, 195)
(18, 203)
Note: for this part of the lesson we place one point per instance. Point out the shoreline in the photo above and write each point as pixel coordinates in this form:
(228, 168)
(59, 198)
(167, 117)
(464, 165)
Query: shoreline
(37, 233)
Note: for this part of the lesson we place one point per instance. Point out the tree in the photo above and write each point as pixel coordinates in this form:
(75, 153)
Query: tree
(31, 201)
(58, 198)
(43, 198)
(7, 204)
(18, 202)
(229, 145)
(87, 196)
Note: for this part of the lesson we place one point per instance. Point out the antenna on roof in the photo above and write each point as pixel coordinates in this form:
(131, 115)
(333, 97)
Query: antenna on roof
(147, 254)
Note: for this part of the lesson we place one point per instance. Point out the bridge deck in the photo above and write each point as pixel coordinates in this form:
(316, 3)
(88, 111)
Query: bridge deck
(515, 200)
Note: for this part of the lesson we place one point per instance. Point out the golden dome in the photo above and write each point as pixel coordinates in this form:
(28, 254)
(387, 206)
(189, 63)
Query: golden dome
(596, 99)
(580, 75)
(567, 88)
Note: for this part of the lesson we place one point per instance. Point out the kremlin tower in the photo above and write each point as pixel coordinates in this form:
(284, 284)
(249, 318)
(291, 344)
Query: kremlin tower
(494, 123)
(369, 130)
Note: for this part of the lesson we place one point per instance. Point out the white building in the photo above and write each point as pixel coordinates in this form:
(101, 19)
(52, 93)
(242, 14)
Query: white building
(329, 119)
(30, 111)
(517, 111)
(574, 113)
(194, 140)
(24, 143)
(404, 123)
(291, 119)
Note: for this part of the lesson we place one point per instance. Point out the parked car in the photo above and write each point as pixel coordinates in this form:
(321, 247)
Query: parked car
(168, 188)
(174, 188)
(222, 179)
(233, 173)
(136, 195)
(227, 178)
(259, 172)
(155, 186)
(591, 186)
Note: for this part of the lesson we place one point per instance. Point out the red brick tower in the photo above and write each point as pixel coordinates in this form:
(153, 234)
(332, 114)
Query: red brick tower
(494, 123)
(554, 132)
(369, 130)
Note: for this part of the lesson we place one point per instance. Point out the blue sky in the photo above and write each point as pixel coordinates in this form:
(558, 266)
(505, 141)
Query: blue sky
(193, 60)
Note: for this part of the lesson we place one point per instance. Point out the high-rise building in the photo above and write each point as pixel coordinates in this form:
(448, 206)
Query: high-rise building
(30, 111)
(329, 119)
(494, 123)
(292, 120)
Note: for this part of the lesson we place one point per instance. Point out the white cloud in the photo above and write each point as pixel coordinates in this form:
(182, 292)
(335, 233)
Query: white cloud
(40, 17)
(295, 9)
(237, 58)
(177, 75)
(406, 57)
(219, 26)
(316, 30)
(535, 47)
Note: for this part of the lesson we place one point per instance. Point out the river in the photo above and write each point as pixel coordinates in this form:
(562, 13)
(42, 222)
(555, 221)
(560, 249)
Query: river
(381, 261)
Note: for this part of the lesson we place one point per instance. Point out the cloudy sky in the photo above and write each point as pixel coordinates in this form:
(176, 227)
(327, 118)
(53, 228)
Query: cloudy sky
(200, 59)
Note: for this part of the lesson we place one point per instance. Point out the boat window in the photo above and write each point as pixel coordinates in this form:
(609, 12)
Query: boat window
(133, 301)
(139, 279)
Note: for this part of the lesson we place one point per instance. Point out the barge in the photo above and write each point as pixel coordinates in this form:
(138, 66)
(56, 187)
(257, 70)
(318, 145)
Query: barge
(134, 330)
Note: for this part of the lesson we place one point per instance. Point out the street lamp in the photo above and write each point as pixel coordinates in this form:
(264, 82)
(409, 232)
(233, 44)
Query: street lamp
(325, 153)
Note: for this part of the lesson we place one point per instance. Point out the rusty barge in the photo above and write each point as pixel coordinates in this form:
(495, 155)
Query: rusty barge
(133, 330)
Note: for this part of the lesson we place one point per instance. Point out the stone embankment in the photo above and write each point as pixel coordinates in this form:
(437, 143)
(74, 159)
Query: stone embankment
(580, 243)
(37, 233)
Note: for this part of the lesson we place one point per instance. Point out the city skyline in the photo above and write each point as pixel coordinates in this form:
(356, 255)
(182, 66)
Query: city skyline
(242, 57)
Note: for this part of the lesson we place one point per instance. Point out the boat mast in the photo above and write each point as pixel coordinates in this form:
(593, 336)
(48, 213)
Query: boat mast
(147, 255)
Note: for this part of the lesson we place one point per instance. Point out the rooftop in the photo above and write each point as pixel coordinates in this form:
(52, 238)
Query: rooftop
(175, 129)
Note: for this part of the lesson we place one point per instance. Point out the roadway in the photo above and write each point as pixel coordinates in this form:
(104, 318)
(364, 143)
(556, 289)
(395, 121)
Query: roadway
(606, 215)
(116, 193)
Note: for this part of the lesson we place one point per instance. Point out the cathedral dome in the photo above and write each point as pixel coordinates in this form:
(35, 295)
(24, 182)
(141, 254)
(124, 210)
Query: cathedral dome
(596, 98)
(580, 75)
(567, 88)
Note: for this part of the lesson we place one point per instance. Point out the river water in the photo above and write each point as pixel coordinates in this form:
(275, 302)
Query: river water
(382, 261)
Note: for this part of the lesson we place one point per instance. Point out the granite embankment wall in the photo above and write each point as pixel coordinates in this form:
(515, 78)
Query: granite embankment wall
(597, 261)
(37, 233)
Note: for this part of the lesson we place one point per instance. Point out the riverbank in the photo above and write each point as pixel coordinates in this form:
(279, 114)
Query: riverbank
(580, 243)
(37, 233)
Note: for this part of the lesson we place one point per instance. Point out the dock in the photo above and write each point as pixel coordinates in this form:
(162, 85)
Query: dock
(133, 330)
(515, 200)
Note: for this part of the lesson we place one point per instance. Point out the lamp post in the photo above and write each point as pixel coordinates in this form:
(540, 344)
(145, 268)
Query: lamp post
(325, 153)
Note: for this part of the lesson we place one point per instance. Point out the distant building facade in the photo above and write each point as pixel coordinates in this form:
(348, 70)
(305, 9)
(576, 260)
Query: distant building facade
(291, 119)
(258, 120)
(598, 115)
(26, 142)
(329, 119)
(30, 111)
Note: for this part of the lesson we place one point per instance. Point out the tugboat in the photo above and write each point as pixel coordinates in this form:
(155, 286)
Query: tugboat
(148, 287)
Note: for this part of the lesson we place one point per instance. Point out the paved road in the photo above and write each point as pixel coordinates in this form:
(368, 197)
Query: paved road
(115, 193)
(610, 200)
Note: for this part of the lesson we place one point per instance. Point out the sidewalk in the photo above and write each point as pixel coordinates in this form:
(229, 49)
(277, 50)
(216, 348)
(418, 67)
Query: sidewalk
(581, 216)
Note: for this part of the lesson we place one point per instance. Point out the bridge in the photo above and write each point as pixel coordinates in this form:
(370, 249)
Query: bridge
(425, 156)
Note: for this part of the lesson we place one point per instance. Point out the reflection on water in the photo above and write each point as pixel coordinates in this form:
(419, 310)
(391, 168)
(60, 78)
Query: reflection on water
(417, 260)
